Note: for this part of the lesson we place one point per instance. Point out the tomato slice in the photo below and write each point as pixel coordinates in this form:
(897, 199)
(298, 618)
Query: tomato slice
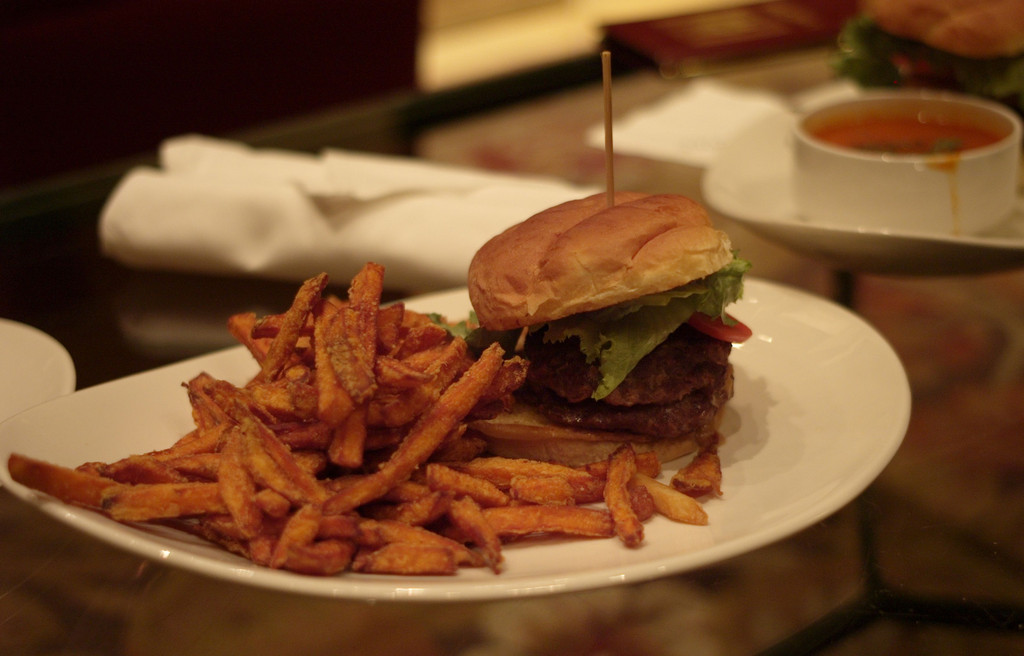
(715, 327)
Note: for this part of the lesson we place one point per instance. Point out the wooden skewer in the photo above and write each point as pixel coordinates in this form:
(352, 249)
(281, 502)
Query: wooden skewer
(609, 168)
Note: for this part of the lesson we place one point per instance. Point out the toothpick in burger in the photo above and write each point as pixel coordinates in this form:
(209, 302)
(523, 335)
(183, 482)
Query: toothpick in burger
(626, 333)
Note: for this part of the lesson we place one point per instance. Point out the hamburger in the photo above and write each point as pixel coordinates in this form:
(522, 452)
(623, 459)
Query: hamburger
(969, 46)
(620, 311)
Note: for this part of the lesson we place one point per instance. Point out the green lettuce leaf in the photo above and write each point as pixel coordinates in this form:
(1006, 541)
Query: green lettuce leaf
(874, 58)
(618, 337)
(477, 338)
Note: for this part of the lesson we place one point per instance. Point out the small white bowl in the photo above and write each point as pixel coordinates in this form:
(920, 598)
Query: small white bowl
(962, 192)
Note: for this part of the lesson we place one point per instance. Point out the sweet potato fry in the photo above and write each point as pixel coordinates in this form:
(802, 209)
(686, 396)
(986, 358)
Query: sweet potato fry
(389, 327)
(352, 335)
(205, 413)
(641, 501)
(521, 521)
(501, 471)
(469, 520)
(285, 400)
(269, 326)
(269, 461)
(272, 503)
(348, 440)
(483, 492)
(322, 558)
(313, 462)
(334, 403)
(220, 530)
(261, 548)
(440, 355)
(701, 476)
(545, 490)
(342, 527)
(237, 487)
(424, 437)
(141, 503)
(313, 435)
(283, 344)
(407, 491)
(394, 408)
(353, 367)
(672, 503)
(398, 374)
(68, 485)
(416, 512)
(498, 397)
(241, 328)
(420, 338)
(363, 311)
(201, 441)
(196, 467)
(408, 559)
(460, 446)
(621, 469)
(276, 469)
(647, 462)
(377, 533)
(299, 531)
(141, 469)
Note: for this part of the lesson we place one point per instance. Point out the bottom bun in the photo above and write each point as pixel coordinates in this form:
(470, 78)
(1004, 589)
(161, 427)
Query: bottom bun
(525, 433)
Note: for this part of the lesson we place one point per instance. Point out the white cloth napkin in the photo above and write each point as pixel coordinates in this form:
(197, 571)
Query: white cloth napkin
(690, 125)
(220, 207)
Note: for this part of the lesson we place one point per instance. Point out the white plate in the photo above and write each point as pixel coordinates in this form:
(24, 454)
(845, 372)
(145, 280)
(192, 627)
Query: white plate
(36, 368)
(750, 181)
(821, 405)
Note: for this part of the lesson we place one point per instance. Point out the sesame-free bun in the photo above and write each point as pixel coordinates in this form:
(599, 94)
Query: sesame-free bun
(584, 255)
(971, 28)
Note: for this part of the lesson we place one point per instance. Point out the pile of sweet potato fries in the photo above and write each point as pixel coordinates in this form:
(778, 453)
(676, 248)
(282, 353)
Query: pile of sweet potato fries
(348, 450)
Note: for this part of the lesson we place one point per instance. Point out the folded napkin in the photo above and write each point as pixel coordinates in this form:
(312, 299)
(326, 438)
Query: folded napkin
(690, 125)
(220, 207)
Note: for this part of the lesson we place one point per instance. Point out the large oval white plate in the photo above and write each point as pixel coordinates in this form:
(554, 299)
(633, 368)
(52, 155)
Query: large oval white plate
(750, 181)
(821, 405)
(36, 368)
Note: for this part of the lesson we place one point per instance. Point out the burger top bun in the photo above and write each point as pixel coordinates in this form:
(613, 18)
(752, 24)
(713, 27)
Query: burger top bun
(584, 255)
(971, 28)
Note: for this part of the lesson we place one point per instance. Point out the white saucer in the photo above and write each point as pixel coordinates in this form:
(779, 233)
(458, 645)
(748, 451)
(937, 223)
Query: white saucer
(37, 368)
(749, 181)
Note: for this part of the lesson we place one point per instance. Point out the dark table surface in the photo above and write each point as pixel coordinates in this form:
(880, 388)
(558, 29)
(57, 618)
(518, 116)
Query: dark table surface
(927, 561)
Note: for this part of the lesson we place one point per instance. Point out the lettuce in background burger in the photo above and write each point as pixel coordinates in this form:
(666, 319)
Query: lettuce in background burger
(627, 335)
(970, 46)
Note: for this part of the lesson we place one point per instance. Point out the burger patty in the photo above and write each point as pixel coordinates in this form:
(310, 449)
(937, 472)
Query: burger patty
(691, 415)
(688, 360)
(676, 390)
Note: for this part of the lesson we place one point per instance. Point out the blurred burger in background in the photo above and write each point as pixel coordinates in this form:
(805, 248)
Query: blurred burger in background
(970, 46)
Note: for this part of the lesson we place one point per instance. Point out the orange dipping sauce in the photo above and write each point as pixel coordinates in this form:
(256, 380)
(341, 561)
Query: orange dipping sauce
(905, 135)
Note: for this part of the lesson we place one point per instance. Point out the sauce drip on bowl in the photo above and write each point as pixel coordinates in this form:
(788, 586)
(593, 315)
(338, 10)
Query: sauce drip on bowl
(905, 135)
(948, 164)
